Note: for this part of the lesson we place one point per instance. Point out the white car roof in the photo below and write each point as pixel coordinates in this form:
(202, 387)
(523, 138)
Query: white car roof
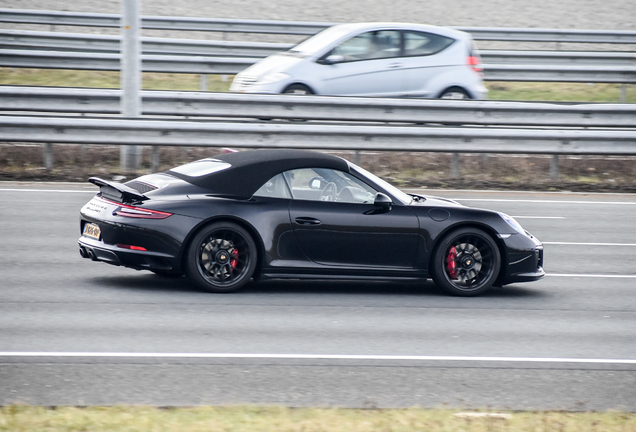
(334, 34)
(370, 26)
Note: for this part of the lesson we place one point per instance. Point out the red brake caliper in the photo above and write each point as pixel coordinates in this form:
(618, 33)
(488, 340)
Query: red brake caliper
(233, 261)
(450, 263)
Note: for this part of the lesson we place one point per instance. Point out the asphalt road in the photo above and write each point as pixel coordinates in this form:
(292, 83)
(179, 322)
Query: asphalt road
(82, 333)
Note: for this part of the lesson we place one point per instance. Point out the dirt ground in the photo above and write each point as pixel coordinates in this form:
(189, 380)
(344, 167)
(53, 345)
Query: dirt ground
(75, 163)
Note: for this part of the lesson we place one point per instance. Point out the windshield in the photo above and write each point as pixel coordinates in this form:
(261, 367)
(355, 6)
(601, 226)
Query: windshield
(401, 196)
(319, 41)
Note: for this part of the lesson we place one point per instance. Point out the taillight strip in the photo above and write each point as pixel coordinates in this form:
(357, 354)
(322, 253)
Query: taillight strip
(125, 210)
(140, 213)
(137, 248)
(475, 64)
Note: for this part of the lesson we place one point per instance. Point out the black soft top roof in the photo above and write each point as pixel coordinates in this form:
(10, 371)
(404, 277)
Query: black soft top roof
(252, 168)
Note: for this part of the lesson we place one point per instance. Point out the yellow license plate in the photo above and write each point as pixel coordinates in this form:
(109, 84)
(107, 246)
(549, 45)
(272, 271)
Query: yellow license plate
(92, 230)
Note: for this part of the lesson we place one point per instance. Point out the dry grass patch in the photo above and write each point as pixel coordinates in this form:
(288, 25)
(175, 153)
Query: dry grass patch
(559, 92)
(106, 79)
(17, 418)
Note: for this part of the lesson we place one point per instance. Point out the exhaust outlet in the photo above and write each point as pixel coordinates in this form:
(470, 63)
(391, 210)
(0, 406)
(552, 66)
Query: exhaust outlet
(83, 252)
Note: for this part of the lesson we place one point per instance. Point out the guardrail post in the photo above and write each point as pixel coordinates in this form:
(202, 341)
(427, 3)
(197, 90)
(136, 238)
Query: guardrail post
(203, 82)
(154, 158)
(622, 98)
(48, 156)
(454, 169)
(554, 167)
(130, 156)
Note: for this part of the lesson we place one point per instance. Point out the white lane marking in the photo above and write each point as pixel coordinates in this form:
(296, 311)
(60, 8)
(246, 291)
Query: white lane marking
(545, 201)
(538, 217)
(588, 244)
(518, 217)
(317, 357)
(591, 275)
(49, 190)
(436, 192)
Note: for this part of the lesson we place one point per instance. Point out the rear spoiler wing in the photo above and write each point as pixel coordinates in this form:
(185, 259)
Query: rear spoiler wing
(117, 191)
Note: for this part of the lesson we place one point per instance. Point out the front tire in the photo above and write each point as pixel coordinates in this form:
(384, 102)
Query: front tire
(298, 89)
(221, 258)
(466, 262)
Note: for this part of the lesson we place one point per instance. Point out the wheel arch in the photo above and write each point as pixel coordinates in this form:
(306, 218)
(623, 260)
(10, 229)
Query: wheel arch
(298, 83)
(455, 87)
(225, 218)
(483, 227)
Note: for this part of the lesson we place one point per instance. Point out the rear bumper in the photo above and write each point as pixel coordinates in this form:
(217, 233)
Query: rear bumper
(140, 260)
(480, 92)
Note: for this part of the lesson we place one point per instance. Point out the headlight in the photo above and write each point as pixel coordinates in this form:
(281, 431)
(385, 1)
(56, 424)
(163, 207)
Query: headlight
(272, 78)
(513, 223)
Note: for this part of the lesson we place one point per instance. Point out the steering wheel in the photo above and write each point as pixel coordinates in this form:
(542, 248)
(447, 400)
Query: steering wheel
(329, 192)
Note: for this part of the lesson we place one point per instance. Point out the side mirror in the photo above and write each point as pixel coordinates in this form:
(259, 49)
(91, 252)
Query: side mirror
(382, 201)
(334, 58)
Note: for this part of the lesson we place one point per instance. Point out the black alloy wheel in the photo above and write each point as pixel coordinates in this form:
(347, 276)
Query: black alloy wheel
(466, 262)
(221, 258)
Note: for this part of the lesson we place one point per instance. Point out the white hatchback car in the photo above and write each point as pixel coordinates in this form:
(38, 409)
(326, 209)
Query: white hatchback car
(373, 59)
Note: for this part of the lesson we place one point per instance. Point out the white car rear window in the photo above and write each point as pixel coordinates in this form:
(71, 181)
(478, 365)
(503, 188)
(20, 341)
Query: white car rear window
(201, 167)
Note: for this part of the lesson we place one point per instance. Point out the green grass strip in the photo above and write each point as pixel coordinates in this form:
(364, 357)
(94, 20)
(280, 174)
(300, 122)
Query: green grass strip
(532, 91)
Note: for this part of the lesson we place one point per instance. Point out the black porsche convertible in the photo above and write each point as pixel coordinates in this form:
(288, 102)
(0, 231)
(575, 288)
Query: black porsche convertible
(234, 217)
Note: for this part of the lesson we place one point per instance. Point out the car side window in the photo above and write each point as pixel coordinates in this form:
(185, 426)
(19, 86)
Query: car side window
(323, 184)
(276, 187)
(370, 45)
(422, 44)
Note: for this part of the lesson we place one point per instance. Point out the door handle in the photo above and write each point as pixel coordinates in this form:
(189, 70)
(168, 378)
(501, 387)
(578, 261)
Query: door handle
(394, 65)
(307, 221)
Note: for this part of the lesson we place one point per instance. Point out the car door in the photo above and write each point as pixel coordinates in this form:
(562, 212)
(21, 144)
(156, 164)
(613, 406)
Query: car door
(345, 228)
(281, 247)
(369, 65)
(424, 59)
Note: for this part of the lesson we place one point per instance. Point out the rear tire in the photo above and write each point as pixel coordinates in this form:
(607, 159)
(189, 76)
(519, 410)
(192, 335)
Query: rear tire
(466, 262)
(221, 258)
(456, 93)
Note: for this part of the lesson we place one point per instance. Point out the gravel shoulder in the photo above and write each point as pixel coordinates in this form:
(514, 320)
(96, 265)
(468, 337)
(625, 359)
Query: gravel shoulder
(573, 14)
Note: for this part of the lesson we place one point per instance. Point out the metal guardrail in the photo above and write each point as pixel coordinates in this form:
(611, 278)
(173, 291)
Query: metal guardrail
(53, 41)
(553, 58)
(353, 109)
(162, 22)
(111, 62)
(560, 73)
(233, 65)
(551, 35)
(32, 40)
(121, 131)
(300, 27)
